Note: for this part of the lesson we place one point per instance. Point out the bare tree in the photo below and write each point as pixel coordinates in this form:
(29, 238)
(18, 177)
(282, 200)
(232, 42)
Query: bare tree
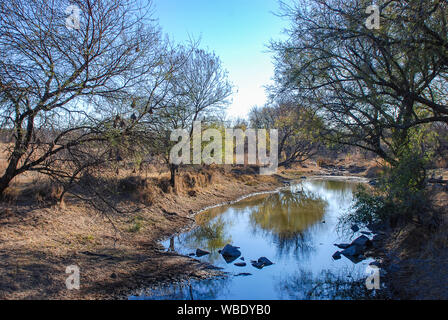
(200, 90)
(57, 84)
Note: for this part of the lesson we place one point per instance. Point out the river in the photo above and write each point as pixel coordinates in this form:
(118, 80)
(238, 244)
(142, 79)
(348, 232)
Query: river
(296, 228)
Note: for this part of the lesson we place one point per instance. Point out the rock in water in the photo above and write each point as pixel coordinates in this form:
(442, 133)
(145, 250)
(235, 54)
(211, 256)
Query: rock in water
(257, 265)
(201, 253)
(230, 253)
(352, 251)
(362, 242)
(265, 261)
(337, 255)
(355, 228)
(240, 264)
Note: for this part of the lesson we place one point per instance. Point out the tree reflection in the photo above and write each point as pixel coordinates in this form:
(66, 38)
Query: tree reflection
(288, 217)
(209, 289)
(327, 285)
(210, 235)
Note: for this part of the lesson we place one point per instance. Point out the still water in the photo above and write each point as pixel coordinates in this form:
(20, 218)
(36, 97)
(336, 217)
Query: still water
(295, 228)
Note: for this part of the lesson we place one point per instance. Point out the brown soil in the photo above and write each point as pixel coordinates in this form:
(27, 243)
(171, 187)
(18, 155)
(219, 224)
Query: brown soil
(38, 242)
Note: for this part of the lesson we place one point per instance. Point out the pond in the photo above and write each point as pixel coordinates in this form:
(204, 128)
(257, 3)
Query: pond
(295, 228)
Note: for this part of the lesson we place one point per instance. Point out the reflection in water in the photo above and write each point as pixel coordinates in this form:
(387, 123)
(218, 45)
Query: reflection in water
(327, 285)
(295, 228)
(193, 290)
(288, 218)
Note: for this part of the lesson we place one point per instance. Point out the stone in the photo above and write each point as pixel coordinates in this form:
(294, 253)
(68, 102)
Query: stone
(201, 253)
(240, 264)
(355, 228)
(337, 255)
(257, 265)
(243, 274)
(352, 251)
(265, 261)
(362, 242)
(230, 251)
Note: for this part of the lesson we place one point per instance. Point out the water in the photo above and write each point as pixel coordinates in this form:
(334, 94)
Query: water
(295, 228)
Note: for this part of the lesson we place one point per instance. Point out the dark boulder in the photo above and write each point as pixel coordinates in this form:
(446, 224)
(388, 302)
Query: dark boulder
(240, 264)
(257, 264)
(230, 253)
(201, 253)
(362, 242)
(265, 261)
(261, 263)
(355, 228)
(243, 274)
(352, 251)
(337, 255)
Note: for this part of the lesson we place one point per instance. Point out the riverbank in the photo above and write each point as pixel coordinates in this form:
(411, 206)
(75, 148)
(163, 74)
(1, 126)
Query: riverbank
(38, 242)
(120, 252)
(414, 258)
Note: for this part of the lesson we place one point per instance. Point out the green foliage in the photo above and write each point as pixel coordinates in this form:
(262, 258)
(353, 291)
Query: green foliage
(137, 224)
(399, 196)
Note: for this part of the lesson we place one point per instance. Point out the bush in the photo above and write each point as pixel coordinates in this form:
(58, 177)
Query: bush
(399, 197)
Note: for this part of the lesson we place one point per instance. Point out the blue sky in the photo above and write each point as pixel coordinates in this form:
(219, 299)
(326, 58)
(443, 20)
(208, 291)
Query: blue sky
(237, 31)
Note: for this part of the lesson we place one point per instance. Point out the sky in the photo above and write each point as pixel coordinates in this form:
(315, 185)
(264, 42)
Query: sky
(238, 31)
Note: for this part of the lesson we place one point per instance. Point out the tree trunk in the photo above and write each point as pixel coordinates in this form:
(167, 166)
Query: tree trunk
(173, 171)
(10, 173)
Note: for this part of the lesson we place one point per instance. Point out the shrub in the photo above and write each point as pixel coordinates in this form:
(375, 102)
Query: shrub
(399, 197)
